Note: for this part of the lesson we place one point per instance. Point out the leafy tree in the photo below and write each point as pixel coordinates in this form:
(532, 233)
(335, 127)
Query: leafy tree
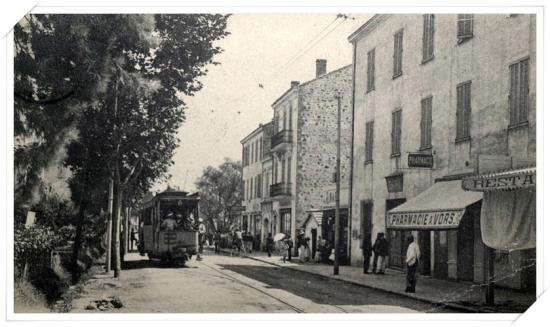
(220, 188)
(131, 131)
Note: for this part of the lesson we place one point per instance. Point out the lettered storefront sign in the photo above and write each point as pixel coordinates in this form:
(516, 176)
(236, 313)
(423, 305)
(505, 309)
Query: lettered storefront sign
(425, 220)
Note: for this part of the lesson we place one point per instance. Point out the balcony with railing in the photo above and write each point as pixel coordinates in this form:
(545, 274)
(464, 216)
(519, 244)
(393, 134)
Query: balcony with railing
(281, 139)
(280, 189)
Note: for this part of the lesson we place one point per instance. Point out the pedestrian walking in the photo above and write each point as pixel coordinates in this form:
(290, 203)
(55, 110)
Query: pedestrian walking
(381, 250)
(367, 253)
(217, 242)
(269, 245)
(413, 257)
(132, 239)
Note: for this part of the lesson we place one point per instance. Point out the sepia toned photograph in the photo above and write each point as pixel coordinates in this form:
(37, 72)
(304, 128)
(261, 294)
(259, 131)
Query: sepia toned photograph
(275, 163)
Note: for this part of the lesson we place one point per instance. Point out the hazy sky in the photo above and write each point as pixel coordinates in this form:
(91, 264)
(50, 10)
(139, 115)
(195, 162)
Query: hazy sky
(267, 49)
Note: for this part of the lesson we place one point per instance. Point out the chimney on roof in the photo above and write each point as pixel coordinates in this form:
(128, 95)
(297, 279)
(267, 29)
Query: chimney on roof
(321, 67)
(294, 84)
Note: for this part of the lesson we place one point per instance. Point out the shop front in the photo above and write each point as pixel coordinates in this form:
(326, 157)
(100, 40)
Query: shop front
(444, 219)
(508, 226)
(328, 231)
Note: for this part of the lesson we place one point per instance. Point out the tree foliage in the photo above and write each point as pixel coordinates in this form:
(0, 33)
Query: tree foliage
(220, 188)
(112, 87)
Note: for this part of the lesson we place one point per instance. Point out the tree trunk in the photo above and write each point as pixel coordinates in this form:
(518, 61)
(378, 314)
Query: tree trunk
(116, 224)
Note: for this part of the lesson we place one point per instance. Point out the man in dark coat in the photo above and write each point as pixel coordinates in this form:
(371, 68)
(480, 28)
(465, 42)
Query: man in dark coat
(367, 253)
(381, 250)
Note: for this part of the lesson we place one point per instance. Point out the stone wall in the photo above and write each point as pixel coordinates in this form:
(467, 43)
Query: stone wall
(317, 138)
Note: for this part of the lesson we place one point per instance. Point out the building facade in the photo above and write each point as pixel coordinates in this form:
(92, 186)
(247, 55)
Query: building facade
(304, 154)
(436, 98)
(254, 155)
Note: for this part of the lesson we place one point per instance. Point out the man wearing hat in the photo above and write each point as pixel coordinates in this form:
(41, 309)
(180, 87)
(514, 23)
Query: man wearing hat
(413, 256)
(169, 223)
(381, 250)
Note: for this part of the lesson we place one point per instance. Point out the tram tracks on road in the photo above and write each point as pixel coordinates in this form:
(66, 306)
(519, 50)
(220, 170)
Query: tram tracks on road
(285, 303)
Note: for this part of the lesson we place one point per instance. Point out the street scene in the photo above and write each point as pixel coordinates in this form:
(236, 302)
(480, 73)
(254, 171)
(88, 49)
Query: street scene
(282, 164)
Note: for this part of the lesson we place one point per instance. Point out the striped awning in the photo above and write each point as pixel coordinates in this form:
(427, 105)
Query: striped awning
(501, 181)
(440, 206)
(317, 215)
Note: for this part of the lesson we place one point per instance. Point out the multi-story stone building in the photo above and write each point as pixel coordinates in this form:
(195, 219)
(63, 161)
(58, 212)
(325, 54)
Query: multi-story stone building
(437, 98)
(304, 148)
(254, 153)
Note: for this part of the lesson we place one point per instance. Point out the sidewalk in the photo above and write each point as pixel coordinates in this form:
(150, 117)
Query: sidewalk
(462, 296)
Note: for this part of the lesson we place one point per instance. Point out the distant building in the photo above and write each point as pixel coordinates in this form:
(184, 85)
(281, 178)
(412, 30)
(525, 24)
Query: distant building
(254, 154)
(437, 98)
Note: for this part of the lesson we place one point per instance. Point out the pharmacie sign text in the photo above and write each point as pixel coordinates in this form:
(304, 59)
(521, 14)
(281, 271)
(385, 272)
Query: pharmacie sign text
(425, 220)
(418, 160)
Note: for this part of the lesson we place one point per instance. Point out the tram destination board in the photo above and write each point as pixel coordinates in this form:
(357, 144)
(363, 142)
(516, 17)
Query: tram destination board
(419, 160)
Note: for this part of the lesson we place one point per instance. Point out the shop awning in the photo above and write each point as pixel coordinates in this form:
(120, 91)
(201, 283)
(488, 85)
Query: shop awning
(502, 181)
(440, 206)
(316, 215)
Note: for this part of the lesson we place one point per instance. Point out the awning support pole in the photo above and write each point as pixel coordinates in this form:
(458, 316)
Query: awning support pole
(489, 273)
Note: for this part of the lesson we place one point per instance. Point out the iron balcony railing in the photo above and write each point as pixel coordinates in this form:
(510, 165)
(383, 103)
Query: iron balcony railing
(280, 189)
(284, 136)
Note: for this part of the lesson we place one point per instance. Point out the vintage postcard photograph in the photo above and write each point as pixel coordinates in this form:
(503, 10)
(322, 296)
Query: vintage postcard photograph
(326, 162)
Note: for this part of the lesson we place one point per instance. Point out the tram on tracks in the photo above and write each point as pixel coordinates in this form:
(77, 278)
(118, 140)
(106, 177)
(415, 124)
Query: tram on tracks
(169, 226)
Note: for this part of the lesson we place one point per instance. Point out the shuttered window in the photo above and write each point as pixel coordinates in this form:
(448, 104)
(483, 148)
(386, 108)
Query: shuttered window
(428, 38)
(396, 133)
(398, 54)
(370, 70)
(426, 124)
(465, 27)
(463, 108)
(283, 170)
(519, 92)
(369, 133)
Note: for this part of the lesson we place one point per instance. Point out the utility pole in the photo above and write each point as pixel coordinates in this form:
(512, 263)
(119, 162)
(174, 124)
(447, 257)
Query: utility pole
(109, 228)
(337, 211)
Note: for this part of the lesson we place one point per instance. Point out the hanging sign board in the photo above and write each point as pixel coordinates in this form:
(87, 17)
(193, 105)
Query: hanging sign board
(419, 160)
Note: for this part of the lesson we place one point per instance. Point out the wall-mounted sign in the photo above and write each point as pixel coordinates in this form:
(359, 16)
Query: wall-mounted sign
(395, 183)
(425, 220)
(238, 208)
(503, 181)
(419, 160)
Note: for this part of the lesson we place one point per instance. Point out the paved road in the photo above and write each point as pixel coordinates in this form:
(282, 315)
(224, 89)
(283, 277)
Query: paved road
(221, 284)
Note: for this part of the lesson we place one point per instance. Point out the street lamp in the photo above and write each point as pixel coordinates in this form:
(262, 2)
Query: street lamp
(339, 97)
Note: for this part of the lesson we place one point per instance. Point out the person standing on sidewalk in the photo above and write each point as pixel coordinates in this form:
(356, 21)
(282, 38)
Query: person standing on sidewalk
(367, 253)
(413, 256)
(202, 238)
(217, 242)
(381, 250)
(269, 245)
(302, 246)
(289, 246)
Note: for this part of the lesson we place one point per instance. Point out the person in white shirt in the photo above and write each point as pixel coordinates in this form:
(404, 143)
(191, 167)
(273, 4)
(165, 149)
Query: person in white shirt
(169, 223)
(413, 256)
